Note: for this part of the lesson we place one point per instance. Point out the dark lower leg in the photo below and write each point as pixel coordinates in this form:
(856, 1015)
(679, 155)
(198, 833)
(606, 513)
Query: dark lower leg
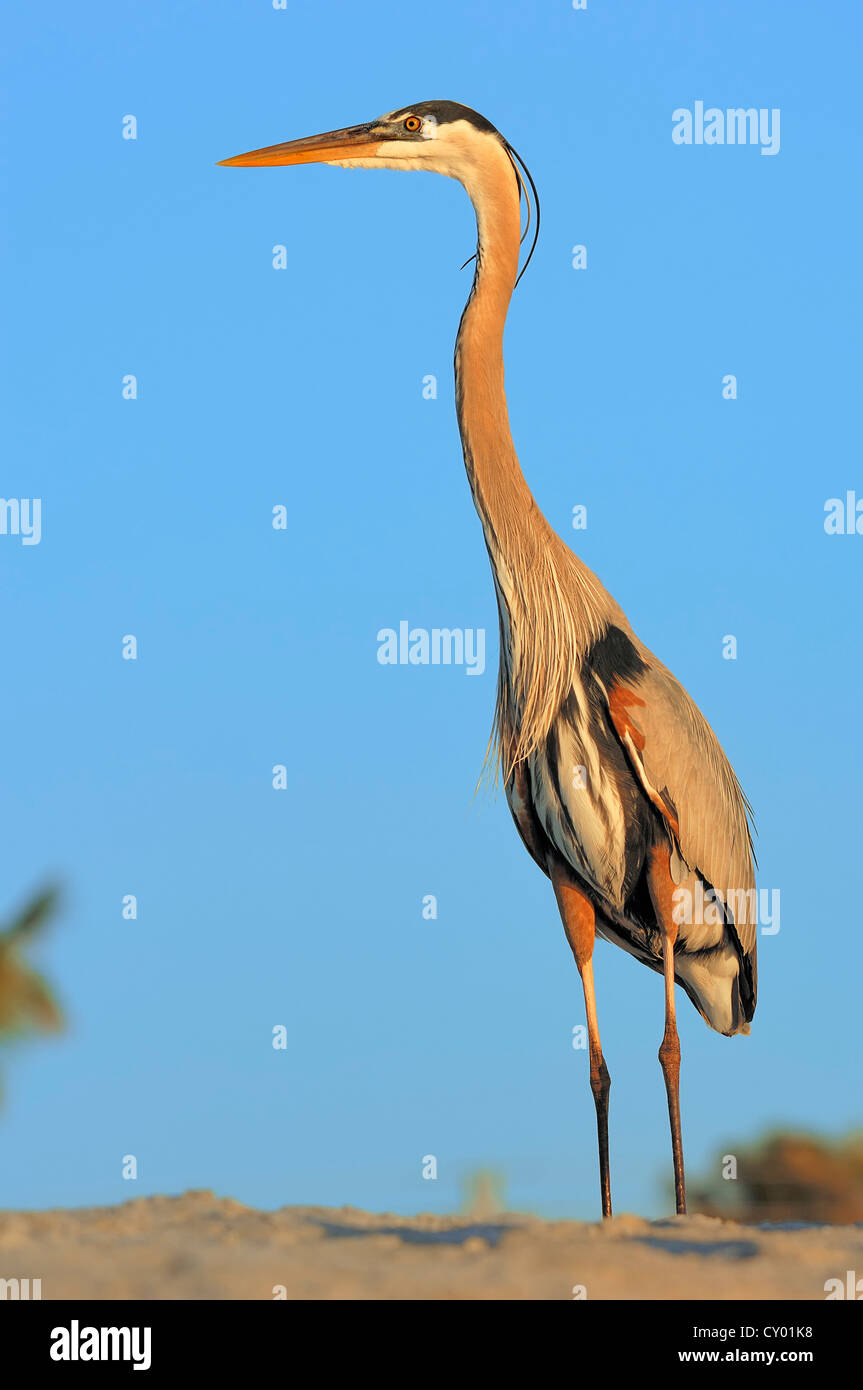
(579, 921)
(669, 1060)
(661, 892)
(600, 1085)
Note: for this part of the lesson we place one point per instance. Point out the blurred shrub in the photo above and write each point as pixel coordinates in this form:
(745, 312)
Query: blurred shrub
(788, 1176)
(27, 1003)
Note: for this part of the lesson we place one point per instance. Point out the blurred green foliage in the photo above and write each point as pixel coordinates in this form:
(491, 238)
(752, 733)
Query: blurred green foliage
(27, 1003)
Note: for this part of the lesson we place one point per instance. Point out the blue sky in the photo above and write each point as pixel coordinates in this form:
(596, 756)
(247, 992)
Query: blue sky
(303, 387)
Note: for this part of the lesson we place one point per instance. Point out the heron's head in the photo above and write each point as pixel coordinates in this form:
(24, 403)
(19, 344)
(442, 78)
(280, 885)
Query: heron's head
(441, 137)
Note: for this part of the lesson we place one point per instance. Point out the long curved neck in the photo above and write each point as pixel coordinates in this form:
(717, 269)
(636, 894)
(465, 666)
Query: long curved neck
(502, 497)
(551, 606)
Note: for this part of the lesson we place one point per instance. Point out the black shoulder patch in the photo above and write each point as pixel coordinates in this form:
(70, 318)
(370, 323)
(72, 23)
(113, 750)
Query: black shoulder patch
(614, 658)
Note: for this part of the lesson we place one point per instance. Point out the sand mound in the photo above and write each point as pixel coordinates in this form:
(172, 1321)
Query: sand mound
(201, 1246)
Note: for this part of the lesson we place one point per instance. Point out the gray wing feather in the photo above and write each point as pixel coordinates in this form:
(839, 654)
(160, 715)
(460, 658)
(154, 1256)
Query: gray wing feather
(682, 760)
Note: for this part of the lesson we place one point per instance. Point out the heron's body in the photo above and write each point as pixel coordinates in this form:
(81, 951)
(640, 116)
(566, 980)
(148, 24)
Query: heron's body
(584, 798)
(617, 784)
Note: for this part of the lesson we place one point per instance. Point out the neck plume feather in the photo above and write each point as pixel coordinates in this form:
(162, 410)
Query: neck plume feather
(550, 606)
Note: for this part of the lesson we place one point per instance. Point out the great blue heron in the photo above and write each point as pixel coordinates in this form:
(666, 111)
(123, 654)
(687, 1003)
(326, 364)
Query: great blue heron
(617, 784)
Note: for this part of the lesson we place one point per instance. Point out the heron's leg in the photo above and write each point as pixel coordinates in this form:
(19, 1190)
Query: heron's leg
(661, 886)
(579, 923)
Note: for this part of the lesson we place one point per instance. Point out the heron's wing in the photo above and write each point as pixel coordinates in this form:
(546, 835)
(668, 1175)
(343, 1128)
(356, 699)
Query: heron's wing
(682, 768)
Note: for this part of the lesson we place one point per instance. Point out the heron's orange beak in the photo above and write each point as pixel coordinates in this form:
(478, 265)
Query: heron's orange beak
(354, 142)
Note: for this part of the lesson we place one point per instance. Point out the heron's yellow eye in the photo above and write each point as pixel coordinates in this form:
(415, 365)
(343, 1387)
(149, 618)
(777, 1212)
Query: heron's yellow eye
(412, 123)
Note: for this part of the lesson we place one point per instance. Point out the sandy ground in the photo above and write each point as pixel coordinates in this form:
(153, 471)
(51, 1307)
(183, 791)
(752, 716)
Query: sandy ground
(201, 1246)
